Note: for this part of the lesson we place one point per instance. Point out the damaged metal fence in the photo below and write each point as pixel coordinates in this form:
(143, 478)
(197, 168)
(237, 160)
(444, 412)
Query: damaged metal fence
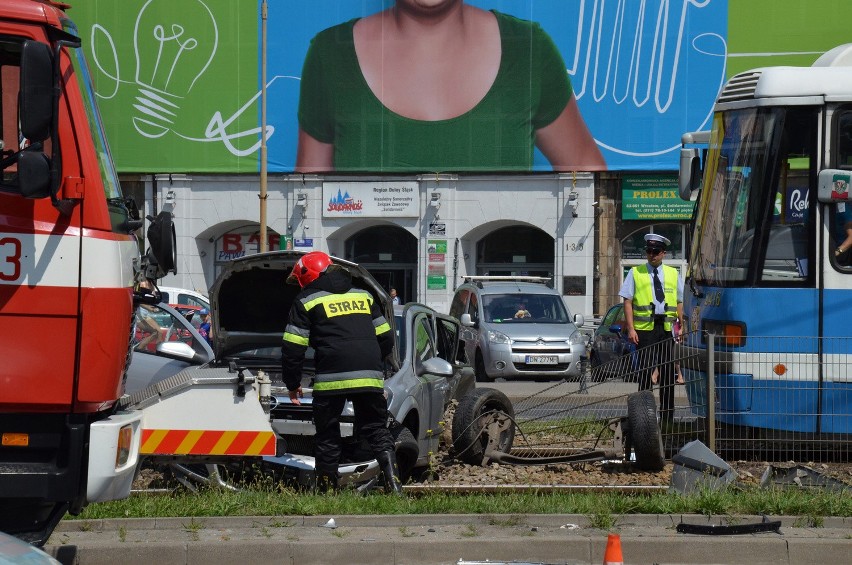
(774, 399)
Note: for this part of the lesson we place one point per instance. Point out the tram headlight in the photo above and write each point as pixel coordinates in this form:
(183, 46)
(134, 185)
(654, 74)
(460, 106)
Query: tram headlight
(731, 334)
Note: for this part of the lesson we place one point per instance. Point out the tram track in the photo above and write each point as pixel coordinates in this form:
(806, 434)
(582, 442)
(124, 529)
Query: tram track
(423, 489)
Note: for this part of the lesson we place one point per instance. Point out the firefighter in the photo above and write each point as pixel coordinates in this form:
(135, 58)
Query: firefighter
(351, 339)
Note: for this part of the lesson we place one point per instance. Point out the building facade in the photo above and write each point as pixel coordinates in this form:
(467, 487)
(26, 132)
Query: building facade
(419, 234)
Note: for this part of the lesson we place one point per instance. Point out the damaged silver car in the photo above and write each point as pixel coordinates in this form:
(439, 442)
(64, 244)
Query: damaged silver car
(251, 301)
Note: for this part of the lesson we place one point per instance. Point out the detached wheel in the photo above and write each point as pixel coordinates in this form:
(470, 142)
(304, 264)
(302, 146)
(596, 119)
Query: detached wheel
(644, 431)
(407, 450)
(476, 410)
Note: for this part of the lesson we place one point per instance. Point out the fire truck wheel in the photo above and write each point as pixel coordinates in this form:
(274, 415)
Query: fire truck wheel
(644, 431)
(476, 410)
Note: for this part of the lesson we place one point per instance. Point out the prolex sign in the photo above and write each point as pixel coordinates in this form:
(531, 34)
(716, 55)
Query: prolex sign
(653, 197)
(234, 245)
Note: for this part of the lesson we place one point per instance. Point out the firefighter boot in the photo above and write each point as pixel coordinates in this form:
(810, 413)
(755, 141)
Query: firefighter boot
(390, 469)
(326, 481)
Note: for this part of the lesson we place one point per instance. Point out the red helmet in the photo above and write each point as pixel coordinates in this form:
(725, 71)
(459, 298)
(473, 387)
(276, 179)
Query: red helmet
(309, 268)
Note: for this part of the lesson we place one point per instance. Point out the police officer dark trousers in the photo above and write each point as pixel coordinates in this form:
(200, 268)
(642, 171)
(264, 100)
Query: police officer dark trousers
(350, 338)
(656, 345)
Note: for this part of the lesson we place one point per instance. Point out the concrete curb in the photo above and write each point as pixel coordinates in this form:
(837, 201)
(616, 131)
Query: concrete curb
(432, 539)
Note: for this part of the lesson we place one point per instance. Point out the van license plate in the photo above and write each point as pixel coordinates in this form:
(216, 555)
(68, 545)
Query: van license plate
(542, 359)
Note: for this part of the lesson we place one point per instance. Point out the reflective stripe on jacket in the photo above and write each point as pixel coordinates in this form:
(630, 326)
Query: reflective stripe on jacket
(348, 332)
(643, 297)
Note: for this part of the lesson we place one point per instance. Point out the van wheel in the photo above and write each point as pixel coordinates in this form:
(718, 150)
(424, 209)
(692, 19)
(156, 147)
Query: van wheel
(481, 375)
(476, 410)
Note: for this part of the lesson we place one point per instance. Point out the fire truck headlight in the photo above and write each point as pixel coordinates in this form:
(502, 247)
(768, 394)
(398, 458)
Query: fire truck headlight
(125, 442)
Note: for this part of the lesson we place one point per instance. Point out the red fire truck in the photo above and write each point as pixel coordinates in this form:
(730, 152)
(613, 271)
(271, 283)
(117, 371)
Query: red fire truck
(71, 276)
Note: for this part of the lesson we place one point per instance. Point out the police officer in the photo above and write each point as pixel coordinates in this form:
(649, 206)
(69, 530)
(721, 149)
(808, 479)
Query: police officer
(653, 300)
(351, 338)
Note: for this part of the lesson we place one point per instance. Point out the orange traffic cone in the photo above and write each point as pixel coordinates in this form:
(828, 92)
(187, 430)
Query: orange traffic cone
(612, 555)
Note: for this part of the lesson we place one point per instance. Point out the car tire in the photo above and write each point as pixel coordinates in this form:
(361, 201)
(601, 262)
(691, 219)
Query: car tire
(481, 374)
(645, 434)
(407, 451)
(475, 410)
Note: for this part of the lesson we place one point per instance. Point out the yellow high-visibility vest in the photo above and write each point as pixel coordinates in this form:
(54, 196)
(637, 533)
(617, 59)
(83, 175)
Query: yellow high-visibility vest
(643, 297)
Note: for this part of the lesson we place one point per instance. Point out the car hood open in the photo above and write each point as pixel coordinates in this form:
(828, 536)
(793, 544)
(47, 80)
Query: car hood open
(251, 300)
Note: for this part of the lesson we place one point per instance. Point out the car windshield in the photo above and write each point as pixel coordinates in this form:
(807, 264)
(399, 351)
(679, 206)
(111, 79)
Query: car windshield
(524, 308)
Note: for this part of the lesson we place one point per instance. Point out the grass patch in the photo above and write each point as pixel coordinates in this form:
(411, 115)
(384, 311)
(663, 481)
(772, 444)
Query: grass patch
(279, 502)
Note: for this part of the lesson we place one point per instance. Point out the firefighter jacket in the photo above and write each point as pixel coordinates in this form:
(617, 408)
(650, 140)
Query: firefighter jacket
(347, 330)
(643, 297)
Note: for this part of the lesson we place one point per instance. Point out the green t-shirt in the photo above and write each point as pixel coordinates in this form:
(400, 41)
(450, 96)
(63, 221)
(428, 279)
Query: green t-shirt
(337, 106)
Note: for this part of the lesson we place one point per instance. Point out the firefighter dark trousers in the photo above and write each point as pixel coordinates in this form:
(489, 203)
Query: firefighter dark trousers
(371, 414)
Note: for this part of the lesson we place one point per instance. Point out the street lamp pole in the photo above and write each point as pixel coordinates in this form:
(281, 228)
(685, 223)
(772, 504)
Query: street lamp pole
(262, 195)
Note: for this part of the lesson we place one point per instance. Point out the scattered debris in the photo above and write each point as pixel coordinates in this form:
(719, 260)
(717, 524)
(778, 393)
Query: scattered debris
(696, 466)
(800, 476)
(730, 529)
(331, 524)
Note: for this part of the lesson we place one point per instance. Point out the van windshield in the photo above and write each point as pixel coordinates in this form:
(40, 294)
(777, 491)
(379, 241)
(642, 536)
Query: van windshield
(524, 308)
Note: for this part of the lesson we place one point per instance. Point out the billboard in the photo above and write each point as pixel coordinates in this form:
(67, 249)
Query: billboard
(371, 86)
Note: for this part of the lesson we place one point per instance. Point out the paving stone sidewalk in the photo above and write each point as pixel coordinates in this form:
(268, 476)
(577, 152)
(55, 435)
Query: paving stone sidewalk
(438, 539)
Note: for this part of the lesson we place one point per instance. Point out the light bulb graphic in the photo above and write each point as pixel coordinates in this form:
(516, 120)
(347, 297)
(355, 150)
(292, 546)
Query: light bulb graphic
(172, 52)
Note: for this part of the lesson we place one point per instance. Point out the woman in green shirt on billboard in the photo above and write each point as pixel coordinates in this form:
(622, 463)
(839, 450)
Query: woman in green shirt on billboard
(438, 85)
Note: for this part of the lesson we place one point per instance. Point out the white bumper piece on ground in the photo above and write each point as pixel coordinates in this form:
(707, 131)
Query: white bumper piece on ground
(304, 469)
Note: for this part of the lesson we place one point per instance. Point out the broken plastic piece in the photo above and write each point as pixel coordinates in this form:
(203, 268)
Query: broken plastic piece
(730, 530)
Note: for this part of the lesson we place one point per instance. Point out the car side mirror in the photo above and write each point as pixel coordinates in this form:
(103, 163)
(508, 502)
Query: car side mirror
(579, 320)
(435, 366)
(467, 321)
(177, 350)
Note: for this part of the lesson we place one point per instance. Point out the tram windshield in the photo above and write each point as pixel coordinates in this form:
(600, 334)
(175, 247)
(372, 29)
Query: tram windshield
(753, 225)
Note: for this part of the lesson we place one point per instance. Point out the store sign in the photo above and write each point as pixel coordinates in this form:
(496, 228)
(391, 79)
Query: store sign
(303, 244)
(437, 228)
(436, 269)
(234, 245)
(370, 200)
(646, 197)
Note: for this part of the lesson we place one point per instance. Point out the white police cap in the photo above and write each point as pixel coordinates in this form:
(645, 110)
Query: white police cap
(655, 239)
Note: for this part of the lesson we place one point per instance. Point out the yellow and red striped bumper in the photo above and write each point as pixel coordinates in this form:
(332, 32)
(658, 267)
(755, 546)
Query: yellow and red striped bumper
(208, 442)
